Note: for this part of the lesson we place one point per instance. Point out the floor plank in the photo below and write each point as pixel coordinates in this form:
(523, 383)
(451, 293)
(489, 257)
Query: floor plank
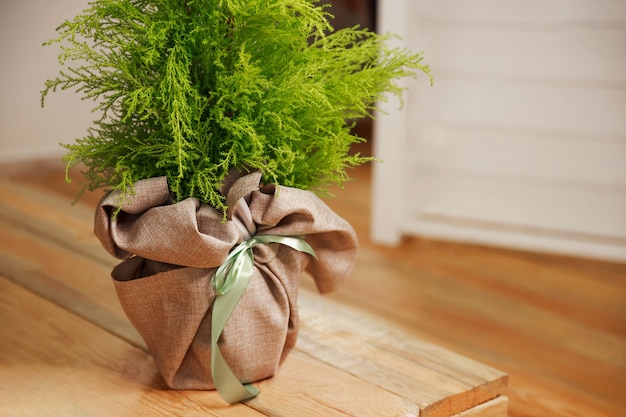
(56, 364)
(441, 382)
(330, 393)
(494, 408)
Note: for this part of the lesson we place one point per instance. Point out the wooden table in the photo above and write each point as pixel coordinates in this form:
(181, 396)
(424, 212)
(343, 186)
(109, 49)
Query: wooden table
(67, 349)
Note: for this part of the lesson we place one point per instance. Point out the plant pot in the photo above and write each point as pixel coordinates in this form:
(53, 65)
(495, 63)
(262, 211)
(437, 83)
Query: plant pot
(172, 252)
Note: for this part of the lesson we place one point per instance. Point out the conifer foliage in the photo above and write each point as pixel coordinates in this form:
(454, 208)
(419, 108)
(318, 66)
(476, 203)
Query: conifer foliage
(191, 89)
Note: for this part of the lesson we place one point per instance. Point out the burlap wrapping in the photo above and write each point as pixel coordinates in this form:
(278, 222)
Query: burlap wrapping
(173, 250)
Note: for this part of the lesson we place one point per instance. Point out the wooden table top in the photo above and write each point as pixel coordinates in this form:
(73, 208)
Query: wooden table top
(67, 349)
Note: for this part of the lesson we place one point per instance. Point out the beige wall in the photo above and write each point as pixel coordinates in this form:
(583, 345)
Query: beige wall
(27, 130)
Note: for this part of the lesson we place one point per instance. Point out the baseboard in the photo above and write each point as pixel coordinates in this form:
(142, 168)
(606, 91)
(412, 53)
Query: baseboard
(559, 245)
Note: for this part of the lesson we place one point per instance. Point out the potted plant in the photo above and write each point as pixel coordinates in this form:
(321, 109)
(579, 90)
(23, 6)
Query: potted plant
(220, 123)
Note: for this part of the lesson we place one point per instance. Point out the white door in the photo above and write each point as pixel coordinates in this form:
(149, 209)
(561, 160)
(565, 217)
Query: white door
(521, 142)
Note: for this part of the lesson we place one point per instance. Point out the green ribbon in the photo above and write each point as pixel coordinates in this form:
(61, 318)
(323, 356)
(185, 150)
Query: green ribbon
(230, 281)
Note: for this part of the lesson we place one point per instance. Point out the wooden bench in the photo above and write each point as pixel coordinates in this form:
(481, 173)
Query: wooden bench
(67, 349)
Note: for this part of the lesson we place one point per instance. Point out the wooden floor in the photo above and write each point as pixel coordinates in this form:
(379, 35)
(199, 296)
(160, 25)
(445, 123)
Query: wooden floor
(556, 325)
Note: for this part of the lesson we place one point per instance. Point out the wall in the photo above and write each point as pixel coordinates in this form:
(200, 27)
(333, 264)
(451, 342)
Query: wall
(522, 140)
(26, 130)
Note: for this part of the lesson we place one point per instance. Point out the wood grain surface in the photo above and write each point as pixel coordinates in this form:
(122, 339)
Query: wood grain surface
(56, 363)
(67, 348)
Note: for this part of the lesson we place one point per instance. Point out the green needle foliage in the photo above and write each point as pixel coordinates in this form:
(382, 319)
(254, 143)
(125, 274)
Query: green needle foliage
(193, 89)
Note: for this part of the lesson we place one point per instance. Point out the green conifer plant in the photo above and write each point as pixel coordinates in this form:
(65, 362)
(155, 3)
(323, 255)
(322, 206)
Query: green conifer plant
(191, 89)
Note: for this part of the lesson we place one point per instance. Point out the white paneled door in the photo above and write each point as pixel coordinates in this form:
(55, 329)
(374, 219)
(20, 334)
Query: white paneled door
(521, 142)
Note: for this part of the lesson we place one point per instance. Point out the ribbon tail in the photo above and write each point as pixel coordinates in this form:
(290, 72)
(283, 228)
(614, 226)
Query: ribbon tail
(226, 383)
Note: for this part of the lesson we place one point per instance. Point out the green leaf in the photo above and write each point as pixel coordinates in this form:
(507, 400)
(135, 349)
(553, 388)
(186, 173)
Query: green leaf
(194, 89)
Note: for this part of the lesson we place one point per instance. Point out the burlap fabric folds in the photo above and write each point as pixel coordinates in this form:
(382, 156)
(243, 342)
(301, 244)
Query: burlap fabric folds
(171, 252)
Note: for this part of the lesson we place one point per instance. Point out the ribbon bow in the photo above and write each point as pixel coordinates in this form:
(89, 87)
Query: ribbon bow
(230, 281)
